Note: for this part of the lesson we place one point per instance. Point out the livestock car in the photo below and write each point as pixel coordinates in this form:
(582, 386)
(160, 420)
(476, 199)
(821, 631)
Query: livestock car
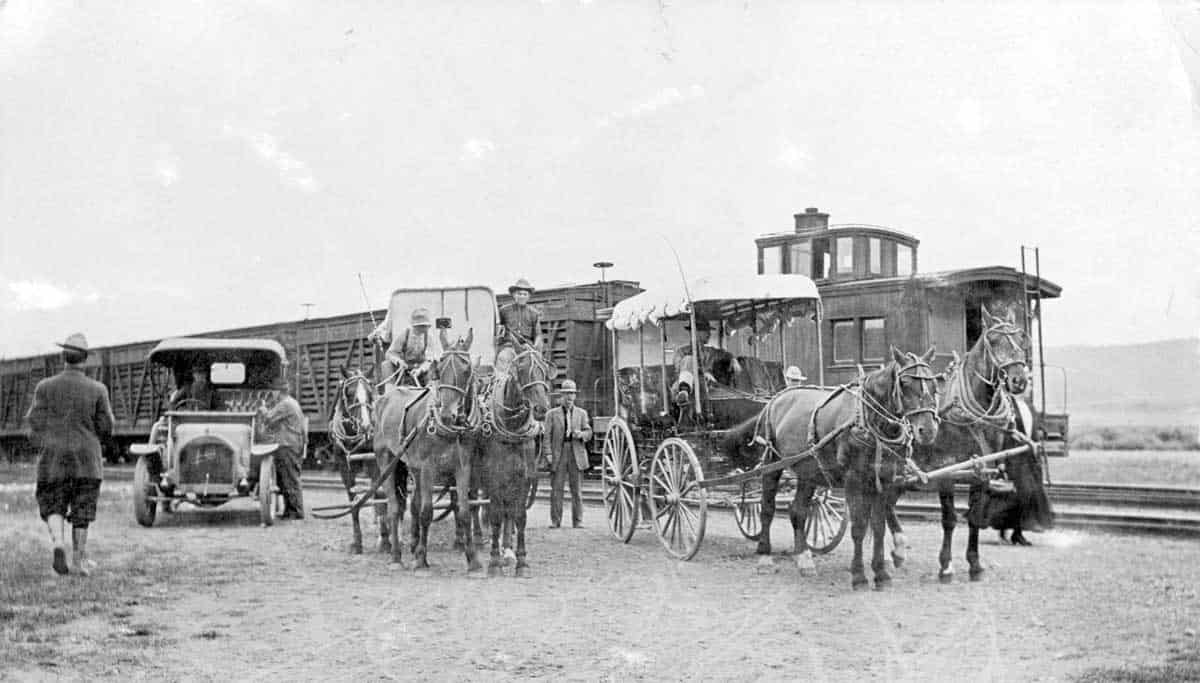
(318, 349)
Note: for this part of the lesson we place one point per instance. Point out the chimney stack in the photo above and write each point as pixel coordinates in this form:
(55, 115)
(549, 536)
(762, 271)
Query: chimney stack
(811, 219)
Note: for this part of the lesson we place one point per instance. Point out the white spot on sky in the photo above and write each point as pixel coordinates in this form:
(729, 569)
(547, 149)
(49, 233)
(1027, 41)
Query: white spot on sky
(38, 295)
(477, 148)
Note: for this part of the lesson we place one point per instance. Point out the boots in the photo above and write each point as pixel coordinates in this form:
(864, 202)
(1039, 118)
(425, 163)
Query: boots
(83, 566)
(56, 524)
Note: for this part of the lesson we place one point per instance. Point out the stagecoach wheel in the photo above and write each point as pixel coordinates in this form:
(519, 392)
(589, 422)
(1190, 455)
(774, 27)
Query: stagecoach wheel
(748, 508)
(618, 474)
(827, 518)
(143, 507)
(266, 491)
(678, 504)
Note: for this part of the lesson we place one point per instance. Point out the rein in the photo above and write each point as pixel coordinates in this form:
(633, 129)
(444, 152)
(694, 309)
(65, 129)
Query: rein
(350, 440)
(438, 427)
(497, 414)
(963, 409)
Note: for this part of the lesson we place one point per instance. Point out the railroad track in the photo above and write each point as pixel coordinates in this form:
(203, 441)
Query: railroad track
(1111, 507)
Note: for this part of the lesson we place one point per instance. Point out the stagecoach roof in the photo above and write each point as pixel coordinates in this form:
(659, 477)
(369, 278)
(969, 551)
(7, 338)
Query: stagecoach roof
(727, 293)
(184, 349)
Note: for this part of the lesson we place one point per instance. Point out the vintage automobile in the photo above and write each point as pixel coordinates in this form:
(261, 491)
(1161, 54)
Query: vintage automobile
(205, 453)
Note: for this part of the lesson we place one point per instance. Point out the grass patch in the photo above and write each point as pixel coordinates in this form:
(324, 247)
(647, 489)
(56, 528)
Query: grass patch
(1183, 666)
(1135, 438)
(1149, 468)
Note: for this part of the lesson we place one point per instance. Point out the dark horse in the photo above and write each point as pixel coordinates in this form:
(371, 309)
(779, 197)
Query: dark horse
(864, 432)
(977, 416)
(436, 424)
(352, 429)
(515, 403)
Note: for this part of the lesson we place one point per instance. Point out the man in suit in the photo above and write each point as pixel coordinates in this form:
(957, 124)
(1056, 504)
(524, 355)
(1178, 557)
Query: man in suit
(568, 431)
(68, 419)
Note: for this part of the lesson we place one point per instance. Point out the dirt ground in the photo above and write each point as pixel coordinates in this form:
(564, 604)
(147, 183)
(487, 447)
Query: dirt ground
(211, 595)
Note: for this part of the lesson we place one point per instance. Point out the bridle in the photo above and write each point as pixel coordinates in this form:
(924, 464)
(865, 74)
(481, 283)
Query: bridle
(351, 439)
(466, 396)
(998, 412)
(498, 414)
(877, 420)
(998, 369)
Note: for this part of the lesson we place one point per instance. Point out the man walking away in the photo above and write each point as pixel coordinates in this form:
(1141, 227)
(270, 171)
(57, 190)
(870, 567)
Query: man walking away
(568, 431)
(283, 424)
(68, 420)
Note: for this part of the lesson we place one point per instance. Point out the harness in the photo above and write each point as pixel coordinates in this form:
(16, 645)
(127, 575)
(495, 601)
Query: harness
(435, 426)
(962, 409)
(497, 415)
(349, 434)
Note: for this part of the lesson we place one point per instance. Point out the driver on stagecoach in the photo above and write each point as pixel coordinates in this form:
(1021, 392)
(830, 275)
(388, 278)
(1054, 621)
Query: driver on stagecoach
(409, 351)
(198, 394)
(520, 325)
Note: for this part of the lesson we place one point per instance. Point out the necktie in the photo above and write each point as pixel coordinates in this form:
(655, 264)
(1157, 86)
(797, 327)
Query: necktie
(567, 424)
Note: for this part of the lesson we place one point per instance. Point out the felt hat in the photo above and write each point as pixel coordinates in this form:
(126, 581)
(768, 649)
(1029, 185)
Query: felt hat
(75, 342)
(420, 317)
(794, 374)
(568, 387)
(521, 284)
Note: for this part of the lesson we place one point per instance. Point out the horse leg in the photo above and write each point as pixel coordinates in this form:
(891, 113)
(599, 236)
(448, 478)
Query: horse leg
(518, 518)
(949, 519)
(799, 514)
(462, 520)
(877, 502)
(859, 511)
(495, 522)
(770, 487)
(422, 511)
(391, 542)
(975, 568)
(899, 542)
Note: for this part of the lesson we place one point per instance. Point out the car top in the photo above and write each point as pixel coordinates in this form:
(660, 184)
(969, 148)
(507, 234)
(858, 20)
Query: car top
(181, 350)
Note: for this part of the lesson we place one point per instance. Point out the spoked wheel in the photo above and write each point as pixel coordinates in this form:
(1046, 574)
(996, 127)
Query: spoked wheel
(619, 475)
(678, 504)
(827, 518)
(748, 508)
(144, 508)
(266, 491)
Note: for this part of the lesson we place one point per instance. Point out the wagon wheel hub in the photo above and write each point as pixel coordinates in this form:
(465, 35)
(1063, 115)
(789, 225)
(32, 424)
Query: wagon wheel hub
(673, 499)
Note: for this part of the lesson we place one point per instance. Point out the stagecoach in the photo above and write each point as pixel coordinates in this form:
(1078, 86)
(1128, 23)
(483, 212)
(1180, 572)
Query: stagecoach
(206, 457)
(666, 453)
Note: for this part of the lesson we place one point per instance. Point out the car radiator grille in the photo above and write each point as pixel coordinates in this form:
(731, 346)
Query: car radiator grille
(211, 462)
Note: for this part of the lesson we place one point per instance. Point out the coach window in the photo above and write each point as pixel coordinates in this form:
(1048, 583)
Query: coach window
(802, 258)
(904, 260)
(772, 258)
(821, 259)
(845, 343)
(874, 256)
(874, 345)
(844, 246)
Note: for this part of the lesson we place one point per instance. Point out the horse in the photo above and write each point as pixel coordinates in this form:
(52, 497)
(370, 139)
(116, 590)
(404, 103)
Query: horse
(447, 417)
(515, 404)
(977, 416)
(352, 430)
(861, 433)
(418, 429)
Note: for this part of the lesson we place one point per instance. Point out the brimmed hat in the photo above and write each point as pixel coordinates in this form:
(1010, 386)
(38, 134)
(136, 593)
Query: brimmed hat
(519, 285)
(794, 373)
(75, 342)
(568, 387)
(421, 317)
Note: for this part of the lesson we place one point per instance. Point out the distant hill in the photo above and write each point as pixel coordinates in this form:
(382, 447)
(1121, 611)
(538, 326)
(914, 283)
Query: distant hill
(1156, 383)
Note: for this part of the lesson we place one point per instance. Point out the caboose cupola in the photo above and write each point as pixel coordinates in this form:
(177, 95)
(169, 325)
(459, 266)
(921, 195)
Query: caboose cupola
(822, 251)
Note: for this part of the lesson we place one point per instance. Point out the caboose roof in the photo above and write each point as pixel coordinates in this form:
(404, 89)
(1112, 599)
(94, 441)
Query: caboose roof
(725, 295)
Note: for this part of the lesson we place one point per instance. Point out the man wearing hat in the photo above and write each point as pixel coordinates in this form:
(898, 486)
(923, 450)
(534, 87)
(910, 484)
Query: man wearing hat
(283, 423)
(567, 431)
(68, 419)
(520, 324)
(409, 351)
(793, 377)
(710, 358)
(199, 394)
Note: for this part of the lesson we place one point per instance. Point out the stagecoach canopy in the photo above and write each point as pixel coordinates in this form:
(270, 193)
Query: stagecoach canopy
(726, 298)
(457, 310)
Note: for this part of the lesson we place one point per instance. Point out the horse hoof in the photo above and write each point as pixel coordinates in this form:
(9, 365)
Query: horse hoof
(946, 576)
(495, 570)
(510, 558)
(398, 565)
(897, 560)
(766, 565)
(522, 573)
(355, 549)
(859, 584)
(883, 583)
(976, 574)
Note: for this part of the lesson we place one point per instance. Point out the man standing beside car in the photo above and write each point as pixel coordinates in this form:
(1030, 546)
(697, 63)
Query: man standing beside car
(69, 418)
(283, 424)
(567, 431)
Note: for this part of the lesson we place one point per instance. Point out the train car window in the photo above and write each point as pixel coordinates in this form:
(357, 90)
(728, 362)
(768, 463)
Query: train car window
(904, 260)
(820, 259)
(772, 260)
(802, 258)
(844, 246)
(874, 344)
(845, 344)
(874, 256)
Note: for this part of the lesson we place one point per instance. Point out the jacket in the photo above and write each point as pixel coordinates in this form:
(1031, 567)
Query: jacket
(522, 321)
(283, 424)
(555, 431)
(69, 417)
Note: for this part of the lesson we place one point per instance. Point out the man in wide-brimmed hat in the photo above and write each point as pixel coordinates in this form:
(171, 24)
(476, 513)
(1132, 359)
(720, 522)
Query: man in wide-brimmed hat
(793, 376)
(520, 325)
(69, 419)
(568, 430)
(408, 351)
(283, 423)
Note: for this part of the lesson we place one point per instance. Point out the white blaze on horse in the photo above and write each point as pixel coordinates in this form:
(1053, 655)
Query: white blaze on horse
(352, 430)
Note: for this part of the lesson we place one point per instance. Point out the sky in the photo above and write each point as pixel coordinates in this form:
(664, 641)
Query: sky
(172, 168)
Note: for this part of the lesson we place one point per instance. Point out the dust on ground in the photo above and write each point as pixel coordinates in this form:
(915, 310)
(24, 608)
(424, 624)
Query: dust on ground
(229, 599)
